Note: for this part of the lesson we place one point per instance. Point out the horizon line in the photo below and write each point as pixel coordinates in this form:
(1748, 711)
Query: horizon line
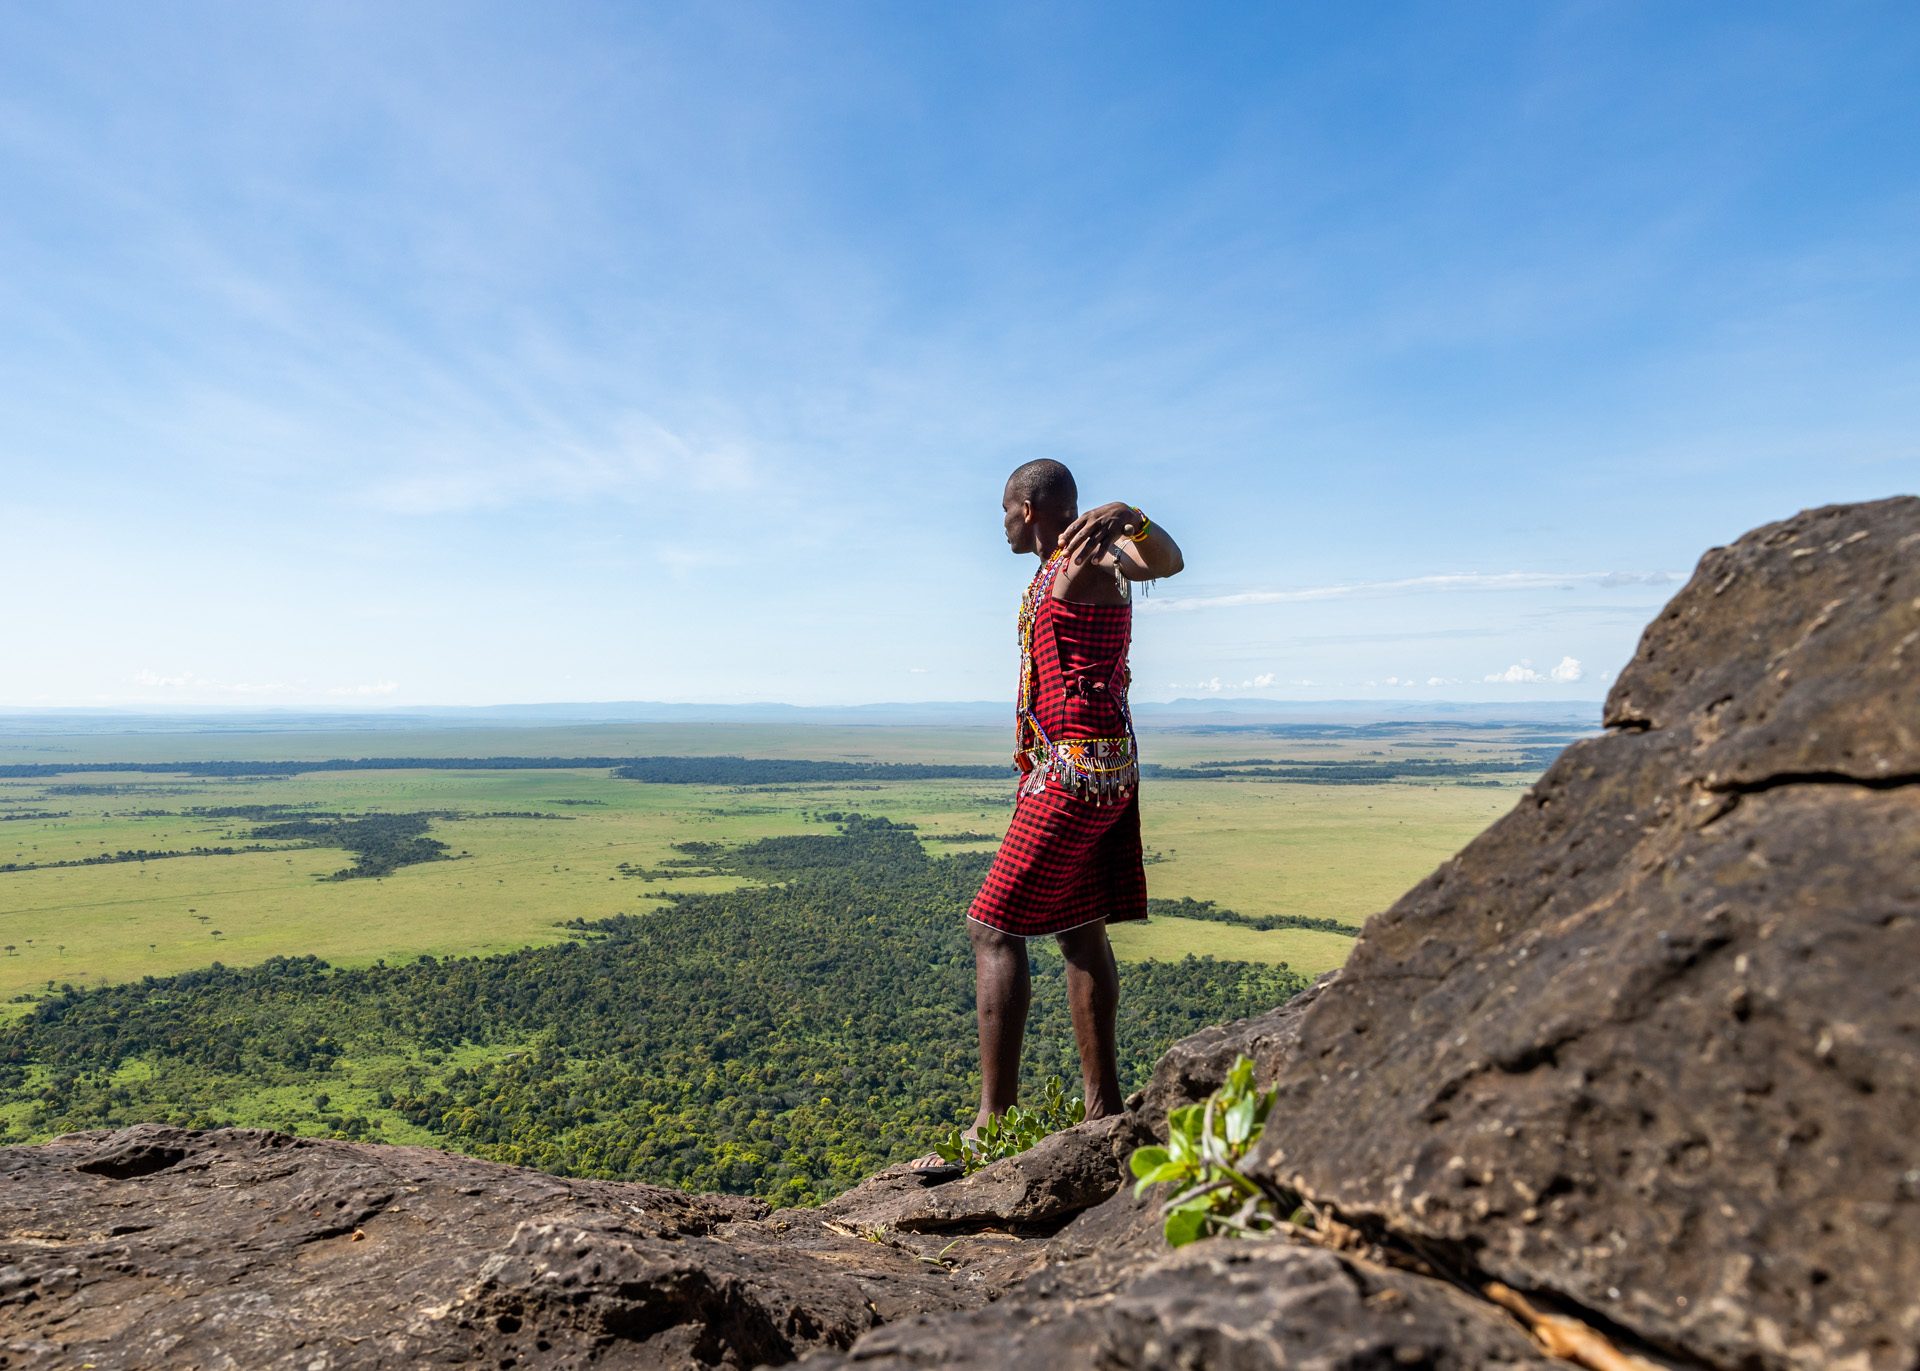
(153, 710)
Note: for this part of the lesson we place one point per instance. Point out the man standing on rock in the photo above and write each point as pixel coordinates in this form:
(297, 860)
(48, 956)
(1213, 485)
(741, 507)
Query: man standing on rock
(1071, 862)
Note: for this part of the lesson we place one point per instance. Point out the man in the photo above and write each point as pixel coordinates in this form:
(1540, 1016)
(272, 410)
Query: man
(1070, 863)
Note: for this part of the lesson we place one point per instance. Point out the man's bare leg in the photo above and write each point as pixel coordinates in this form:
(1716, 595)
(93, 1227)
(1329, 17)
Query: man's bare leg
(1093, 993)
(1002, 991)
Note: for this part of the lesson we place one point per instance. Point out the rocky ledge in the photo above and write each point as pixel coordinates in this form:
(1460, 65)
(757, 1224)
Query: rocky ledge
(1632, 1081)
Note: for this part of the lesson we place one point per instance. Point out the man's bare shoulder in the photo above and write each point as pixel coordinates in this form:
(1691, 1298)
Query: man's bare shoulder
(1095, 581)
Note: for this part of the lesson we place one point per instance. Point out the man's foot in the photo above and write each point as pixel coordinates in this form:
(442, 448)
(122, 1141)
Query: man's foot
(933, 1164)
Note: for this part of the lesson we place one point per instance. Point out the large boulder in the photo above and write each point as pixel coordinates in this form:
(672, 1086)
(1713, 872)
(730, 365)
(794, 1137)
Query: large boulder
(1793, 655)
(1651, 1044)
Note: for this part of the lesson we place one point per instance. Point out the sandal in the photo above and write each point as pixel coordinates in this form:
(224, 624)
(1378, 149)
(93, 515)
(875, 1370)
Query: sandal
(935, 1167)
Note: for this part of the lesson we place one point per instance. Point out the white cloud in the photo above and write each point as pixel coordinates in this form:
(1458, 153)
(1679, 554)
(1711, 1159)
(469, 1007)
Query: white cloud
(1263, 680)
(917, 671)
(1523, 673)
(371, 688)
(1441, 681)
(1465, 581)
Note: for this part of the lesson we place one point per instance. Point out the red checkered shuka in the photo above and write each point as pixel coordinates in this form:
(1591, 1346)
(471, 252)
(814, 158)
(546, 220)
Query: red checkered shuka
(1072, 852)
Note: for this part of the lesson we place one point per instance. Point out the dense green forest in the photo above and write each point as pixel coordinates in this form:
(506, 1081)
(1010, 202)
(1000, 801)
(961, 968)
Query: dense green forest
(133, 854)
(782, 1039)
(380, 843)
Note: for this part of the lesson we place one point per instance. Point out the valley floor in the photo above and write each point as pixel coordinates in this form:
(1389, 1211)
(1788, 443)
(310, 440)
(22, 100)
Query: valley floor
(532, 848)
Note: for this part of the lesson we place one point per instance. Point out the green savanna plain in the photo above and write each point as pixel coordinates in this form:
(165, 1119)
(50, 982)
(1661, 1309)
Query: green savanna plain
(532, 849)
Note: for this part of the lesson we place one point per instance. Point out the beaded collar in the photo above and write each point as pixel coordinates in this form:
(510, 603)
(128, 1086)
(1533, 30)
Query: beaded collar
(1037, 590)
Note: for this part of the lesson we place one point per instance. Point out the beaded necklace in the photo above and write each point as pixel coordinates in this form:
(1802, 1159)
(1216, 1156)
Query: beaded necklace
(1103, 770)
(1037, 590)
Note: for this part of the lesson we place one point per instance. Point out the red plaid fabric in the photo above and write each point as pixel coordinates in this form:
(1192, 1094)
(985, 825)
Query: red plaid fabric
(1080, 668)
(1067, 861)
(1064, 863)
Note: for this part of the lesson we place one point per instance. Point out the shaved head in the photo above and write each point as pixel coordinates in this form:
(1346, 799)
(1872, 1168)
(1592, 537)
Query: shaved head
(1047, 486)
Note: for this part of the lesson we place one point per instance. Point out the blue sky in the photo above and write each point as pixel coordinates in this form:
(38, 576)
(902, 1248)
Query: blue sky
(376, 355)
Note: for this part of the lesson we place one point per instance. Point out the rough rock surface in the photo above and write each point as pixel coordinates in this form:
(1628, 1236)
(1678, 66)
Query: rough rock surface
(1652, 1042)
(1793, 654)
(1197, 1065)
(241, 1248)
(1240, 1305)
(1648, 1050)
(1034, 1192)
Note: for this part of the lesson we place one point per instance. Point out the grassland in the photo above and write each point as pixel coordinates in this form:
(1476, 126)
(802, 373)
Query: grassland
(535, 848)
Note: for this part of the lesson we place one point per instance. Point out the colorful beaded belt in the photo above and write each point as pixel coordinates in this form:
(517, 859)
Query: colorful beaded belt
(1095, 769)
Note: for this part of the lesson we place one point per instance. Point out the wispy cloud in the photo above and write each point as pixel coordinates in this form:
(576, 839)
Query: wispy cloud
(372, 688)
(1416, 585)
(392, 359)
(641, 460)
(190, 685)
(1215, 685)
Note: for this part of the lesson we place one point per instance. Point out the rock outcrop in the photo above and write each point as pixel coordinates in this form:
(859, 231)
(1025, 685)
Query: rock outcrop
(1652, 1042)
(1643, 1059)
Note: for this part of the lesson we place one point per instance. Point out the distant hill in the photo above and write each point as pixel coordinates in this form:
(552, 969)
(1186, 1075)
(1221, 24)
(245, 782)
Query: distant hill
(955, 713)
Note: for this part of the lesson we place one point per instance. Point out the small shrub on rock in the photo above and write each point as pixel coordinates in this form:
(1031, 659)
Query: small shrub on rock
(1015, 1131)
(1205, 1145)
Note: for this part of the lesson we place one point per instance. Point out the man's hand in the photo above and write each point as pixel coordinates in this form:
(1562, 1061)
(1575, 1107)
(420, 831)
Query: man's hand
(1094, 533)
(1104, 536)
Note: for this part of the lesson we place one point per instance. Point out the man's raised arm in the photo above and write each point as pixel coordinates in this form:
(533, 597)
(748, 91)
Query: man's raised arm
(1122, 537)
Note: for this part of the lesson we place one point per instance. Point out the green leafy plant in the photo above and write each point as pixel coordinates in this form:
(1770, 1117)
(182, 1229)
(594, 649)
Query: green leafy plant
(1013, 1132)
(1205, 1145)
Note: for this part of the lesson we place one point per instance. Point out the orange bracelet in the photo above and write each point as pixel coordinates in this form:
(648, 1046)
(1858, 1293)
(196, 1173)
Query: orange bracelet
(1145, 524)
